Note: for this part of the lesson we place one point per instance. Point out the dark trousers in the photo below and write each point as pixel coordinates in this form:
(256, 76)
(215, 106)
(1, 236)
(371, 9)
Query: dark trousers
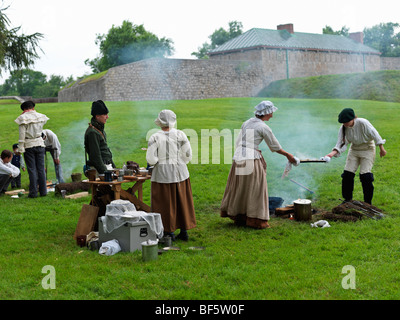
(34, 160)
(16, 182)
(4, 182)
(58, 169)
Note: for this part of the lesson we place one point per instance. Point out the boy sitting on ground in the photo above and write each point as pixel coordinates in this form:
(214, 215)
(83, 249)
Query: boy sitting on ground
(7, 170)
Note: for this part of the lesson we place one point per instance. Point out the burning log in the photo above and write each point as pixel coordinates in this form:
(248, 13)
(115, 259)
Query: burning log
(284, 210)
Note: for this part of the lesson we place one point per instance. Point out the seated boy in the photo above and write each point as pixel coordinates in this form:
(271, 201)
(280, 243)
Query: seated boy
(7, 170)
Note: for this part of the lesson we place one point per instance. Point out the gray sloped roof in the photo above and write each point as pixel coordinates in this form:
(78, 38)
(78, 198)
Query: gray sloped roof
(257, 37)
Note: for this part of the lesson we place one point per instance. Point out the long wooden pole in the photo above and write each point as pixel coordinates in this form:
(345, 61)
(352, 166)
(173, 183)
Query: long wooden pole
(301, 186)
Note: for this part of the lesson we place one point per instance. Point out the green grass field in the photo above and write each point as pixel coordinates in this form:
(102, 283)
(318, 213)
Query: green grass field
(290, 261)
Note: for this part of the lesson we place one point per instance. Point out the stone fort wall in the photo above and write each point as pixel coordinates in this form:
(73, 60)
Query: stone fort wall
(242, 74)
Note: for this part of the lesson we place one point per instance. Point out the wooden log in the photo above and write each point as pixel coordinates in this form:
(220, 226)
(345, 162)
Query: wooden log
(77, 195)
(14, 192)
(72, 187)
(284, 210)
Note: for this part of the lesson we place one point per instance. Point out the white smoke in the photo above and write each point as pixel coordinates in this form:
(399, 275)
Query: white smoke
(72, 147)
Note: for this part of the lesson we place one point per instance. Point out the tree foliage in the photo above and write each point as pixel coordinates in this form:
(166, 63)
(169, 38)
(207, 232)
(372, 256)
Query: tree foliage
(384, 38)
(16, 51)
(26, 82)
(128, 43)
(342, 32)
(219, 37)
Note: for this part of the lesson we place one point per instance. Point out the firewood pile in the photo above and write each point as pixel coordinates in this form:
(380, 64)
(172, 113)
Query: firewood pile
(358, 209)
(350, 211)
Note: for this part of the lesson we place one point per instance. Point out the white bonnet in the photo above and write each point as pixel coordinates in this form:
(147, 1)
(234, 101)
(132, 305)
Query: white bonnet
(264, 107)
(166, 118)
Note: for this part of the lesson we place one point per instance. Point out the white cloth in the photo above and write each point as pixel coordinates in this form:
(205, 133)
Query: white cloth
(119, 212)
(8, 169)
(264, 107)
(288, 167)
(110, 248)
(51, 140)
(361, 136)
(166, 118)
(320, 224)
(30, 130)
(169, 152)
(252, 133)
(326, 159)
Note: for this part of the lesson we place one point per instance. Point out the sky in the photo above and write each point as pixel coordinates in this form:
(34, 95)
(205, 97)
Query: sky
(70, 26)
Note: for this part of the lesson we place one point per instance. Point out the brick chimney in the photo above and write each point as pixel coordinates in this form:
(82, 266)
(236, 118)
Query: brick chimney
(357, 37)
(288, 27)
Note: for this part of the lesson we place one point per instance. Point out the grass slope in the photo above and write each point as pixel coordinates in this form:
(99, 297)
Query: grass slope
(375, 85)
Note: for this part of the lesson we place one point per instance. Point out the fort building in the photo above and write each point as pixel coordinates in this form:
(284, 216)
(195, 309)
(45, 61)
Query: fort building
(241, 67)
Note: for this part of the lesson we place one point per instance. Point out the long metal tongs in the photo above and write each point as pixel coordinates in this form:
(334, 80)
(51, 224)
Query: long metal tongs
(378, 215)
(369, 212)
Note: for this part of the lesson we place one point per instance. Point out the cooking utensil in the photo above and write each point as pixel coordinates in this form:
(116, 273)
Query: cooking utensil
(312, 160)
(302, 209)
(301, 186)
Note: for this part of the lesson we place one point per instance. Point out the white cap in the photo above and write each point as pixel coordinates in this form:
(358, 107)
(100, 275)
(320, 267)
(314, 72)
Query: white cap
(264, 107)
(166, 118)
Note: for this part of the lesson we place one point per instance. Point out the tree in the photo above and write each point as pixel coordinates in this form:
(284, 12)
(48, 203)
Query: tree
(343, 32)
(383, 38)
(26, 82)
(219, 37)
(128, 43)
(16, 51)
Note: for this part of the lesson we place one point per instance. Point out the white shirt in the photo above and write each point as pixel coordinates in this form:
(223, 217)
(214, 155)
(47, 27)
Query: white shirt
(252, 133)
(8, 169)
(52, 141)
(361, 135)
(30, 130)
(169, 152)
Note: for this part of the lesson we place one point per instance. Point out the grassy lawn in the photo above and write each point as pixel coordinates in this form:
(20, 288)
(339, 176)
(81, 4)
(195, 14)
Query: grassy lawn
(290, 261)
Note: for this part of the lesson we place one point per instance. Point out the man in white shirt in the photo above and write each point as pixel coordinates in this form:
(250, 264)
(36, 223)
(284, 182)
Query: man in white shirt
(363, 137)
(7, 170)
(31, 144)
(54, 147)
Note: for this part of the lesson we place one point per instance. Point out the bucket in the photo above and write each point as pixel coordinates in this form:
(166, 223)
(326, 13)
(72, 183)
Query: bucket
(302, 209)
(274, 202)
(76, 177)
(149, 250)
(91, 174)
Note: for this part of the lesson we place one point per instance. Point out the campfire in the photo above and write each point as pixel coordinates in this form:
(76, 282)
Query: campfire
(350, 211)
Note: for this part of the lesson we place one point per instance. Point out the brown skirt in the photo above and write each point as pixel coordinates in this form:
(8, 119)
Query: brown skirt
(246, 196)
(174, 201)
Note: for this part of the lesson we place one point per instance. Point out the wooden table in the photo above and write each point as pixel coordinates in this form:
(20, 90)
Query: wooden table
(129, 194)
(120, 193)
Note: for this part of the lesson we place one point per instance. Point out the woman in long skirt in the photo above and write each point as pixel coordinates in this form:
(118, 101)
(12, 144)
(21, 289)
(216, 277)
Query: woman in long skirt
(169, 151)
(246, 195)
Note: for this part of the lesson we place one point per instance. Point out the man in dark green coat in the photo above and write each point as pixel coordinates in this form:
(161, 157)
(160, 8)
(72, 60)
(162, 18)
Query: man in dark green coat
(100, 156)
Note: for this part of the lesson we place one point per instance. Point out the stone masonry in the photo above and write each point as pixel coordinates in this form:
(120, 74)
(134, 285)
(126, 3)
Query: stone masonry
(241, 74)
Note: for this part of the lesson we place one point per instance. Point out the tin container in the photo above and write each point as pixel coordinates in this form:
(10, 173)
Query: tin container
(149, 251)
(108, 176)
(302, 210)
